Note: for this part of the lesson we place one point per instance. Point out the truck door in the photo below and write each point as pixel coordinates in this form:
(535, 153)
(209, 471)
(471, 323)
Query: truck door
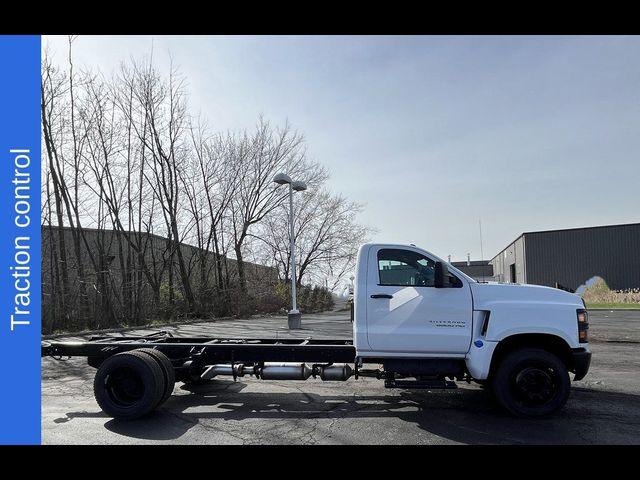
(406, 313)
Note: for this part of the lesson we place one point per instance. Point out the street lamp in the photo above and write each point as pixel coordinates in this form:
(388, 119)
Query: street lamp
(294, 316)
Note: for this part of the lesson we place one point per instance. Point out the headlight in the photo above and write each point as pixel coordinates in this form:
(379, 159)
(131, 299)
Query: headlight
(583, 325)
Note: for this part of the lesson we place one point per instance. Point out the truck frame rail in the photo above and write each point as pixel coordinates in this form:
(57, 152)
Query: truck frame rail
(209, 349)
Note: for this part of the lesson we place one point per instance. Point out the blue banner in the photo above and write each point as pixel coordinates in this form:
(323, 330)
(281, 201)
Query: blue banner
(20, 239)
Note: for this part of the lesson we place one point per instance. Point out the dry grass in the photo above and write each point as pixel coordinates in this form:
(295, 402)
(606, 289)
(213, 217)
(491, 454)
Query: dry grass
(600, 293)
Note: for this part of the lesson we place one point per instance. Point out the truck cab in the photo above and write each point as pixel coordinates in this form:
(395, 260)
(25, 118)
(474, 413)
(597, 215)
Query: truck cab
(421, 317)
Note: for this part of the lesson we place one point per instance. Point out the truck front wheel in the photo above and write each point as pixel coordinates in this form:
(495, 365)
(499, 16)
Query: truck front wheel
(531, 382)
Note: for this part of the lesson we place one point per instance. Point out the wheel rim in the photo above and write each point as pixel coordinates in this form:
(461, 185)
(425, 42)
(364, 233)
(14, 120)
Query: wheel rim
(535, 385)
(124, 386)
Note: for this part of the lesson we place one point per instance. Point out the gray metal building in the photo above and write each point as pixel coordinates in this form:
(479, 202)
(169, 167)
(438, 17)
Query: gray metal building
(480, 270)
(568, 258)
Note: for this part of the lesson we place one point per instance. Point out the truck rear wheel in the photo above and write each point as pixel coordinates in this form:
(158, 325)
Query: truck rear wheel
(129, 385)
(531, 382)
(167, 370)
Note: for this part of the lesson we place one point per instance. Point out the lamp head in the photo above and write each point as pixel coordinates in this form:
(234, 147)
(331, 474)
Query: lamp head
(282, 178)
(299, 186)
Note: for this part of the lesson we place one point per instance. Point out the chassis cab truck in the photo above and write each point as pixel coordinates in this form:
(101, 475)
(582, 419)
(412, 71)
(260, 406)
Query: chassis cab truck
(418, 323)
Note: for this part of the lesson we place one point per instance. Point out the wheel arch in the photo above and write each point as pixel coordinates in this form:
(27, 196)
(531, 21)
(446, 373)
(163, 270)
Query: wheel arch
(544, 341)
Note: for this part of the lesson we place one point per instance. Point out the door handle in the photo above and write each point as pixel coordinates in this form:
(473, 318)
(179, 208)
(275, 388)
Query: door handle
(381, 295)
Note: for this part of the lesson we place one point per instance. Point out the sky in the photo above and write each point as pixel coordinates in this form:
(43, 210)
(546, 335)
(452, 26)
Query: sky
(432, 134)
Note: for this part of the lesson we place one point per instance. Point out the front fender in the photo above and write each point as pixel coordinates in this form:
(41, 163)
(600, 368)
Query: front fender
(514, 318)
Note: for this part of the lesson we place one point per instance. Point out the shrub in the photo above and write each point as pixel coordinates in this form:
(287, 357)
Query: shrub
(310, 299)
(599, 292)
(170, 310)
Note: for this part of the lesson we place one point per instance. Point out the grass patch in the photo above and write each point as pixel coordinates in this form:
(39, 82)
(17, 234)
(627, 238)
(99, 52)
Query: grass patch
(614, 306)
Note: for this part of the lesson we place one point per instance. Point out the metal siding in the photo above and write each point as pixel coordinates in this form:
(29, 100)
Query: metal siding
(519, 260)
(571, 257)
(497, 267)
(477, 270)
(502, 262)
(524, 259)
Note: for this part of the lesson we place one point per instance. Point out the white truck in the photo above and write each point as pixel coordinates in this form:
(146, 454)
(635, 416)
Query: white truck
(421, 322)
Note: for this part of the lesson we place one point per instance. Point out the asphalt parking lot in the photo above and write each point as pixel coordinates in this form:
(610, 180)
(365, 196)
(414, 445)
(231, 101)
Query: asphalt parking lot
(604, 408)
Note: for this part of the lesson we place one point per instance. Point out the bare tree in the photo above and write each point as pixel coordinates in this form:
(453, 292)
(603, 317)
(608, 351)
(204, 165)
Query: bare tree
(53, 88)
(64, 156)
(163, 104)
(169, 200)
(140, 204)
(260, 157)
(209, 181)
(326, 234)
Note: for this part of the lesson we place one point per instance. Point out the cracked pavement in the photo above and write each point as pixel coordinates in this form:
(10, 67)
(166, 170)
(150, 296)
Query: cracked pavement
(604, 408)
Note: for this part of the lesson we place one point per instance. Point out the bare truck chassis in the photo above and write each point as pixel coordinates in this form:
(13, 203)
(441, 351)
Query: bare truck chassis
(136, 374)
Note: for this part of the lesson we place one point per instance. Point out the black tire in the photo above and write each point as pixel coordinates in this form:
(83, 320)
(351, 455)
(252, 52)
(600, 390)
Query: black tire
(129, 385)
(167, 370)
(531, 382)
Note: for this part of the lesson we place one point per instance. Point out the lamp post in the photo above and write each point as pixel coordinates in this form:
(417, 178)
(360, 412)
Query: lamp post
(294, 316)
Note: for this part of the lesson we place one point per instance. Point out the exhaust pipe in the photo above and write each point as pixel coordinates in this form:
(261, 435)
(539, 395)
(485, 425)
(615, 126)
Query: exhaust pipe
(336, 372)
(285, 371)
(282, 371)
(237, 370)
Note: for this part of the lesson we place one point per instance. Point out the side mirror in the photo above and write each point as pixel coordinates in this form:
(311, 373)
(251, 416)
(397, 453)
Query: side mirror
(443, 279)
(441, 275)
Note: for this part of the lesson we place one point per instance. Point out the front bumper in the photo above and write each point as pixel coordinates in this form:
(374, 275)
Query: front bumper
(581, 362)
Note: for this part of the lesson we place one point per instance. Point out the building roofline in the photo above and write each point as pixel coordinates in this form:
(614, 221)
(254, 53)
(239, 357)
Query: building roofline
(473, 263)
(150, 235)
(114, 230)
(154, 236)
(508, 245)
(563, 230)
(583, 228)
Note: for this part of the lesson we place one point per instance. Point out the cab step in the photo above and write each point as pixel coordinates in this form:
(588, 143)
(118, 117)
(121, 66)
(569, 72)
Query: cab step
(424, 384)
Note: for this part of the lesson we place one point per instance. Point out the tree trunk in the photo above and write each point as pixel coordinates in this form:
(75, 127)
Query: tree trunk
(46, 130)
(218, 260)
(82, 284)
(242, 279)
(182, 269)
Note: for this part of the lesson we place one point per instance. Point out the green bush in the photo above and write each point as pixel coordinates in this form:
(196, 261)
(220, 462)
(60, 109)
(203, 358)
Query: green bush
(168, 310)
(310, 299)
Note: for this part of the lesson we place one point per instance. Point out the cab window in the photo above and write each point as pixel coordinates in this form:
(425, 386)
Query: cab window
(405, 268)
